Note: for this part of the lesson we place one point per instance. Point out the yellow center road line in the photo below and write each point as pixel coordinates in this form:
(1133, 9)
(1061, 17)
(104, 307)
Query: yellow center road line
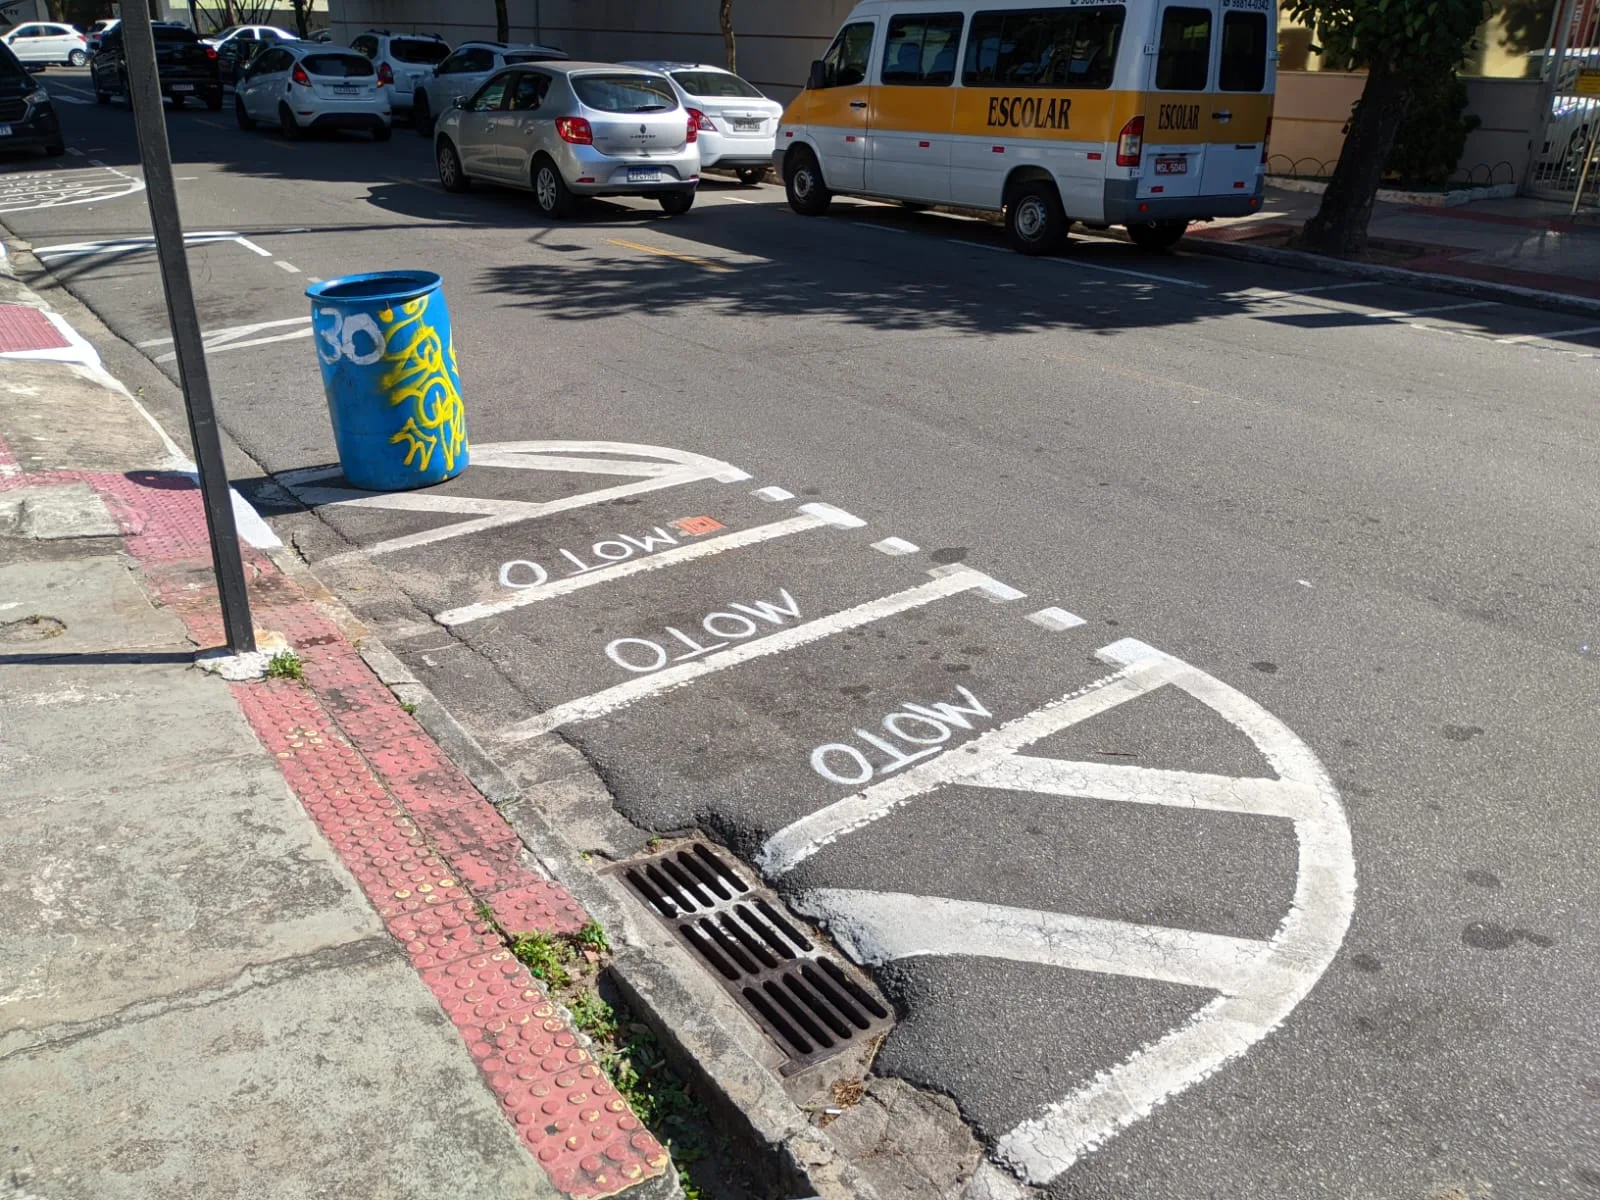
(704, 263)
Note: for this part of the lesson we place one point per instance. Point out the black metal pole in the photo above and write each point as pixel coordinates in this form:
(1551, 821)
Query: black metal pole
(150, 125)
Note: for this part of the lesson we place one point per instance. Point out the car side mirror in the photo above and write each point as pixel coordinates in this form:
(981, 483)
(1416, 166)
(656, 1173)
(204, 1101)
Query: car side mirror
(819, 75)
(459, 102)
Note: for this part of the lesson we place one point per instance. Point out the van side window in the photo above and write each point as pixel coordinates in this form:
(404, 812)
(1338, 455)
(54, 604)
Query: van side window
(922, 49)
(845, 63)
(1184, 61)
(1044, 47)
(1244, 52)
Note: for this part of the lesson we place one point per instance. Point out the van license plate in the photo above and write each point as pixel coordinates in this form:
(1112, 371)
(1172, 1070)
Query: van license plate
(643, 174)
(5, 131)
(1172, 164)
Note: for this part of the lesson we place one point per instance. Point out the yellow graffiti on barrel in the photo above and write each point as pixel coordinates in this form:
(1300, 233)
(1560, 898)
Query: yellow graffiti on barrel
(424, 374)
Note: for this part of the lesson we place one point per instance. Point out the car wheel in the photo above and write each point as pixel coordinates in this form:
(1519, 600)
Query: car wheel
(382, 132)
(750, 176)
(1035, 223)
(550, 191)
(242, 115)
(451, 177)
(55, 149)
(802, 182)
(675, 204)
(422, 115)
(1157, 235)
(77, 58)
(291, 127)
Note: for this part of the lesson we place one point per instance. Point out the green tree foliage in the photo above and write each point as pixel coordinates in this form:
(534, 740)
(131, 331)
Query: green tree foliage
(1428, 145)
(1406, 46)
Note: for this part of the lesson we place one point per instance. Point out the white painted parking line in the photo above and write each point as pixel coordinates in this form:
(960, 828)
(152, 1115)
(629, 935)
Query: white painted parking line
(738, 200)
(1148, 276)
(963, 579)
(74, 151)
(895, 545)
(833, 515)
(568, 584)
(1553, 335)
(773, 493)
(1437, 308)
(875, 225)
(289, 267)
(229, 332)
(1335, 287)
(880, 927)
(132, 245)
(1056, 619)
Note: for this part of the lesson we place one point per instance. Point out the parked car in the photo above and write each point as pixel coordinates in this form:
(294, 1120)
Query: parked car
(233, 58)
(303, 86)
(564, 130)
(464, 72)
(49, 43)
(185, 65)
(28, 120)
(403, 60)
(249, 33)
(738, 125)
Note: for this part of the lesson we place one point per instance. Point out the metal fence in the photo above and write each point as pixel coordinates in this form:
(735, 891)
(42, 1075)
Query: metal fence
(1570, 66)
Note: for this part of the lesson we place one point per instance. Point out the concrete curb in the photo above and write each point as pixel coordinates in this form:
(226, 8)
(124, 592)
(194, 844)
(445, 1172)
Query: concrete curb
(741, 1088)
(1477, 289)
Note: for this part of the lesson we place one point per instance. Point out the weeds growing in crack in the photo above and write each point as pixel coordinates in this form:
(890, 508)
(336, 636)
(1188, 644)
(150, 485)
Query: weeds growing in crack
(285, 664)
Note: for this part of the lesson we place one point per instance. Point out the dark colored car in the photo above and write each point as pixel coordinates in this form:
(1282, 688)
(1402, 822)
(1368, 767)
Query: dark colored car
(28, 120)
(186, 66)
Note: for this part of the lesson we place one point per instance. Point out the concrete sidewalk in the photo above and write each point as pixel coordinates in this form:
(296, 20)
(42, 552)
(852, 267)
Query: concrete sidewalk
(1519, 243)
(245, 941)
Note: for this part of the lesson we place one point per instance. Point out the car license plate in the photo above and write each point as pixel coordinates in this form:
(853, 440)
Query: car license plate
(1172, 164)
(643, 174)
(348, 91)
(747, 123)
(183, 87)
(5, 131)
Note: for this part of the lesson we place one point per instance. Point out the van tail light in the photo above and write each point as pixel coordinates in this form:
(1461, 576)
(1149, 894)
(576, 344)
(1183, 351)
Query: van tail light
(1130, 143)
(575, 130)
(385, 75)
(699, 121)
(1265, 138)
(298, 75)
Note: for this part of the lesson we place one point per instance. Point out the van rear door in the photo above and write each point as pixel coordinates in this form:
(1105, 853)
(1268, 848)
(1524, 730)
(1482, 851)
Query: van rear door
(1241, 110)
(1178, 117)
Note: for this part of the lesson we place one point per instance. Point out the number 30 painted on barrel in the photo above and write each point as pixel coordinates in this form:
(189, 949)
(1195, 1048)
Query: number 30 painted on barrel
(338, 340)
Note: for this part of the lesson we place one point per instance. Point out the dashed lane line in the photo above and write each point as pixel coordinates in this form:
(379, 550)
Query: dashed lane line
(949, 583)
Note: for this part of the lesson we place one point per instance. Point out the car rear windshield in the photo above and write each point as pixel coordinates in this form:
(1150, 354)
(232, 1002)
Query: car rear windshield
(340, 66)
(714, 83)
(428, 52)
(625, 93)
(172, 35)
(528, 56)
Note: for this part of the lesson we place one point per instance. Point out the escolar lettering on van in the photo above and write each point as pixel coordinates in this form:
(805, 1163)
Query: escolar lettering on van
(1178, 116)
(1029, 112)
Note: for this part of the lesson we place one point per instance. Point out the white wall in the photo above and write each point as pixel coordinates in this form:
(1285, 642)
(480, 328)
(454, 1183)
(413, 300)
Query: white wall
(777, 39)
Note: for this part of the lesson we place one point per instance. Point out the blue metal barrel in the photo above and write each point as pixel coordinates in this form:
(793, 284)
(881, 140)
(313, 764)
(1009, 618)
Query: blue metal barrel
(389, 371)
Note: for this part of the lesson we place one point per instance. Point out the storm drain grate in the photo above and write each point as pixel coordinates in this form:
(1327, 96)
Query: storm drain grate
(809, 1004)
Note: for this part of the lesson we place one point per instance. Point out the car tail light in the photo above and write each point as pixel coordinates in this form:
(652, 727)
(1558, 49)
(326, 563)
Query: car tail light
(1130, 143)
(385, 75)
(211, 53)
(1265, 138)
(698, 120)
(575, 130)
(298, 75)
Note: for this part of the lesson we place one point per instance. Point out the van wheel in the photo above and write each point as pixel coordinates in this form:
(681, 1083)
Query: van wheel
(1157, 235)
(802, 181)
(550, 192)
(1035, 222)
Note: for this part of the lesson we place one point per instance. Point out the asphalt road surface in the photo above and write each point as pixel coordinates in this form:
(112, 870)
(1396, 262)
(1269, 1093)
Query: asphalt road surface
(1175, 678)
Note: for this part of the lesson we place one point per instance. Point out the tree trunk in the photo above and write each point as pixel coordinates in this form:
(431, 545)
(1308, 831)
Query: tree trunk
(725, 18)
(502, 22)
(302, 22)
(1340, 226)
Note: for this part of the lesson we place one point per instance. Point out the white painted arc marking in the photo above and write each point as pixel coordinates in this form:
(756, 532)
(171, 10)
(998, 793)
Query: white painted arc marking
(652, 562)
(800, 839)
(773, 494)
(527, 455)
(634, 690)
(881, 927)
(575, 464)
(1146, 785)
(229, 332)
(895, 546)
(222, 347)
(1056, 619)
(1041, 1148)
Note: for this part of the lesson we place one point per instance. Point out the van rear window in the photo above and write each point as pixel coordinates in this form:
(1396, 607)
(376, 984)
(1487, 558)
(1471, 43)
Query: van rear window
(1184, 61)
(1044, 47)
(1244, 52)
(625, 93)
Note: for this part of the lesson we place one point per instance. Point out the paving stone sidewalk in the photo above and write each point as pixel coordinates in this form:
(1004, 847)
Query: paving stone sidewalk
(241, 945)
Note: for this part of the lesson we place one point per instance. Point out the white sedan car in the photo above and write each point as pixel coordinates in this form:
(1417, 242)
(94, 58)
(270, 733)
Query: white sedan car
(49, 42)
(306, 86)
(738, 125)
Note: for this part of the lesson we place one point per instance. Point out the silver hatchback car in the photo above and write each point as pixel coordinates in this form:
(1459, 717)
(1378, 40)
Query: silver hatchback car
(568, 129)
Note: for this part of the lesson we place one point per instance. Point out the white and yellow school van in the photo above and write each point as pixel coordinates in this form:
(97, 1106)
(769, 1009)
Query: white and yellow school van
(1147, 113)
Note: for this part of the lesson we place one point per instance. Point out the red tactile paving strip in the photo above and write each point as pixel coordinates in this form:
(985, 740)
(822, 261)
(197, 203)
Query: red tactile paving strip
(426, 847)
(23, 327)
